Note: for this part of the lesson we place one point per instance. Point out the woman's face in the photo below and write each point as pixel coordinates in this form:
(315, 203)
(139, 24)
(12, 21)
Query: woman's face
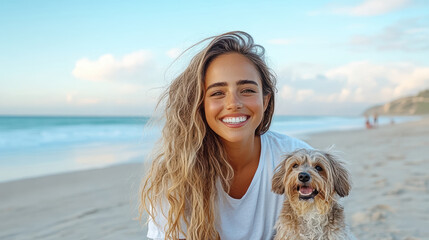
(234, 103)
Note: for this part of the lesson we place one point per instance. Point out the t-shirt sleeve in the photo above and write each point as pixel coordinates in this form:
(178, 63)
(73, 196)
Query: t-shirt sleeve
(299, 144)
(156, 227)
(280, 145)
(291, 144)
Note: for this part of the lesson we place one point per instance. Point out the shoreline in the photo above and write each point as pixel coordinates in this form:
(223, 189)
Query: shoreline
(388, 167)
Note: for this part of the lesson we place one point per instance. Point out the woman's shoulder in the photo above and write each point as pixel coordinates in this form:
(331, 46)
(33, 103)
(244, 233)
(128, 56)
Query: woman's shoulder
(277, 146)
(284, 142)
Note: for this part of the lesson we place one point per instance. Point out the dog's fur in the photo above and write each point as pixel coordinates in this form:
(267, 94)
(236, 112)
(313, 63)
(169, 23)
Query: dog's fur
(312, 180)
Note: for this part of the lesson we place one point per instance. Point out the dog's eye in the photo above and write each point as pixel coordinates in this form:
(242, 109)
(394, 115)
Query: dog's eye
(319, 168)
(295, 165)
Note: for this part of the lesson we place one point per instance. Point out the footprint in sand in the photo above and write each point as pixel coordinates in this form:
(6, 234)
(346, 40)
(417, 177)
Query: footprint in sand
(379, 164)
(395, 157)
(380, 212)
(380, 183)
(414, 163)
(398, 190)
(359, 218)
(375, 175)
(417, 184)
(372, 216)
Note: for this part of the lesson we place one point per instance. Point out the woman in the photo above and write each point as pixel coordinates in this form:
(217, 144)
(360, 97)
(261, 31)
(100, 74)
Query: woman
(211, 176)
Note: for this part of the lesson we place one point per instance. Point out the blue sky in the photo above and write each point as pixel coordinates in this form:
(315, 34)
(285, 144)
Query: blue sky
(114, 57)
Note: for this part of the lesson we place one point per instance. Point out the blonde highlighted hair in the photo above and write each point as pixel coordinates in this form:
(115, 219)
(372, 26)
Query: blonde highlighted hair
(190, 157)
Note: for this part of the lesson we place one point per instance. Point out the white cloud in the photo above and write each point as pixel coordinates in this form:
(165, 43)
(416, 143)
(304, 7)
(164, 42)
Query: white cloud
(348, 89)
(357, 84)
(373, 7)
(137, 66)
(342, 96)
(304, 94)
(300, 95)
(405, 35)
(369, 82)
(173, 53)
(287, 92)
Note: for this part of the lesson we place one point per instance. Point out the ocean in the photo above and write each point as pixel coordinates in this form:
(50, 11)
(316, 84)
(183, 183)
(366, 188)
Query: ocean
(34, 146)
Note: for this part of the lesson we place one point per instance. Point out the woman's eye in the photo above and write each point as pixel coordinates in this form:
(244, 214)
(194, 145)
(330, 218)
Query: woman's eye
(216, 94)
(319, 168)
(295, 165)
(248, 91)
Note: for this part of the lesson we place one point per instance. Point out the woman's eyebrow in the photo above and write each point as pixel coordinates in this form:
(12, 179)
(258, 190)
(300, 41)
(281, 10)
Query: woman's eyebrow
(223, 84)
(218, 84)
(242, 82)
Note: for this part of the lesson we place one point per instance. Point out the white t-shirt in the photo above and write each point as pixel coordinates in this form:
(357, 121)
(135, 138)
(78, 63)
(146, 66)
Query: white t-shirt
(255, 214)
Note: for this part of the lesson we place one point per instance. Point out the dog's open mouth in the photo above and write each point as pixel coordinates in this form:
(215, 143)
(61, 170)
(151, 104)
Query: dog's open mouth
(306, 192)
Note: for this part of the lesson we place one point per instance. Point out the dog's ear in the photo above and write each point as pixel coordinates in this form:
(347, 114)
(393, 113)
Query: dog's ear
(279, 177)
(340, 174)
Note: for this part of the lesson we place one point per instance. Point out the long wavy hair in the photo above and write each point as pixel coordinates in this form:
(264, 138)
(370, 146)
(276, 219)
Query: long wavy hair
(189, 157)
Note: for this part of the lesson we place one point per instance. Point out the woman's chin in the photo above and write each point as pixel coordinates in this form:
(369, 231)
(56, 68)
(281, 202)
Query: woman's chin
(237, 137)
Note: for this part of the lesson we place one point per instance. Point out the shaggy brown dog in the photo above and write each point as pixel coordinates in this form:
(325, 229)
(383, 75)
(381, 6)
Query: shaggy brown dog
(313, 181)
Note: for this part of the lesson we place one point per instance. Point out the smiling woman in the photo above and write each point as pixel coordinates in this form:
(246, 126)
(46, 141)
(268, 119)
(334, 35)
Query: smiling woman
(212, 170)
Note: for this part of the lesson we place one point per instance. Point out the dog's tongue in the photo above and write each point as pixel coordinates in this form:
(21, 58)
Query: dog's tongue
(305, 190)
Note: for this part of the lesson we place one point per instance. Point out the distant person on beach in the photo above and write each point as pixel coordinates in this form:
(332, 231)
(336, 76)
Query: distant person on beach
(368, 124)
(211, 172)
(375, 120)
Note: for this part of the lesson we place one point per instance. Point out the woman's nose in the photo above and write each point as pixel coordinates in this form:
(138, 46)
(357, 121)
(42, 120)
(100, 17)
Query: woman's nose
(233, 102)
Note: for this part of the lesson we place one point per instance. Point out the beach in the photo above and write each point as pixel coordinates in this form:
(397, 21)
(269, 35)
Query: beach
(389, 198)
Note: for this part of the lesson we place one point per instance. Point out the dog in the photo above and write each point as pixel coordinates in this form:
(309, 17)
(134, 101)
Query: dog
(312, 181)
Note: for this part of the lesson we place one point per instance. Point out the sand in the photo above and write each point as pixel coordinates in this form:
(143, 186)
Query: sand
(94, 204)
(389, 198)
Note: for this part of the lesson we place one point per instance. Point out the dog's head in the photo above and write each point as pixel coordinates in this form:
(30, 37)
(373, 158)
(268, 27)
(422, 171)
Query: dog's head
(311, 175)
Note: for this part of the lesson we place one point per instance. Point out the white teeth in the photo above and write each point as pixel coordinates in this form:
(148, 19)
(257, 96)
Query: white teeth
(234, 120)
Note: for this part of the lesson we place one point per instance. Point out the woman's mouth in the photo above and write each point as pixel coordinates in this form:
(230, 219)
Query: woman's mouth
(234, 120)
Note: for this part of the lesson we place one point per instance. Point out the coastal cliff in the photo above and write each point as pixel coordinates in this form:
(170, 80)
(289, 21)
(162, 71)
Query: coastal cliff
(414, 105)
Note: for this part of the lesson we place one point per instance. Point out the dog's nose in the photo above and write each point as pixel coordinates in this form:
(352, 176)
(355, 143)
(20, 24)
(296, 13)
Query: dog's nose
(303, 177)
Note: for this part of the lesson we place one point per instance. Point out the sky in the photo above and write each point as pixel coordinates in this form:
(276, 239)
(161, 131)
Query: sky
(114, 58)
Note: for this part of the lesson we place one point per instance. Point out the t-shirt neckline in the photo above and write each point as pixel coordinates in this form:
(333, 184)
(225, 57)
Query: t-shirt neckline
(255, 178)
